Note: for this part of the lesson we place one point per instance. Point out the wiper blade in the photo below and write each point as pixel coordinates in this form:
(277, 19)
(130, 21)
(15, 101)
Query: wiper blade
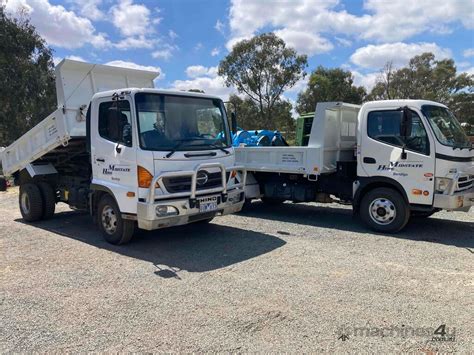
(218, 147)
(178, 145)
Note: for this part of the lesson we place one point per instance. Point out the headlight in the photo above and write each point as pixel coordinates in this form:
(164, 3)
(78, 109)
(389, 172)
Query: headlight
(165, 211)
(442, 184)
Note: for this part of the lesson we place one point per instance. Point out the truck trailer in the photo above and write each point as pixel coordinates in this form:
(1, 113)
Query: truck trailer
(127, 153)
(389, 159)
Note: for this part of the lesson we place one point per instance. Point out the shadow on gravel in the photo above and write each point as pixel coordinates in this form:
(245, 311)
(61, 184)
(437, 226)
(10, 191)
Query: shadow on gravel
(434, 230)
(192, 248)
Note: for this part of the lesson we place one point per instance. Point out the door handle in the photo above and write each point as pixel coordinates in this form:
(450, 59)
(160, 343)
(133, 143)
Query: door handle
(118, 148)
(369, 160)
(102, 160)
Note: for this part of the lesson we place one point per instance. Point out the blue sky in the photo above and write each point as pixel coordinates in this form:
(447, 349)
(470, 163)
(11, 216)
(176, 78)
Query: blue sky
(186, 39)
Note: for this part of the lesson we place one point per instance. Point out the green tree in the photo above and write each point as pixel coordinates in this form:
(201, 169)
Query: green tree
(27, 87)
(429, 79)
(248, 115)
(329, 85)
(263, 68)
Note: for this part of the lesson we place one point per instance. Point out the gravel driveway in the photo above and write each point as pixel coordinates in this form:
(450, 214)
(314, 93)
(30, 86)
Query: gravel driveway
(295, 278)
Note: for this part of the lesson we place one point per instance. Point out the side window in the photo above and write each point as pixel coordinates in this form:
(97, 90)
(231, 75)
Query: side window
(385, 126)
(115, 122)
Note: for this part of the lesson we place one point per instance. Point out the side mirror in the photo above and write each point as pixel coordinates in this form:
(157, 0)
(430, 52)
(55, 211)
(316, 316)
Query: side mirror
(233, 119)
(406, 123)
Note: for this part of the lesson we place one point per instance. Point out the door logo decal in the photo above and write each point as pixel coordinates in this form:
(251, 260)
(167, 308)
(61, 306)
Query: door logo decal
(396, 164)
(112, 168)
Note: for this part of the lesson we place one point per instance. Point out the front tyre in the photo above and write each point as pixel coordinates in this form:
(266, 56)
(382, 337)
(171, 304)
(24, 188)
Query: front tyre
(384, 210)
(31, 202)
(114, 228)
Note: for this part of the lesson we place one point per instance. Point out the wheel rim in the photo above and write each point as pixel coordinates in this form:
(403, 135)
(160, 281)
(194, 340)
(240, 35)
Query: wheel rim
(109, 219)
(25, 203)
(382, 211)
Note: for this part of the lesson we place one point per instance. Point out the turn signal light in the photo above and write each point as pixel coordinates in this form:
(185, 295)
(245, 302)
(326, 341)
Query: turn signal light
(144, 177)
(416, 192)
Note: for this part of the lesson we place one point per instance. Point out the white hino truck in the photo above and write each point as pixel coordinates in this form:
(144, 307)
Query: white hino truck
(389, 159)
(130, 156)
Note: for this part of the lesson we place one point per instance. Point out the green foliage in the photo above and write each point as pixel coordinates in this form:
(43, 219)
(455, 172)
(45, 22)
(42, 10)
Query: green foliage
(27, 87)
(263, 68)
(329, 85)
(249, 118)
(429, 79)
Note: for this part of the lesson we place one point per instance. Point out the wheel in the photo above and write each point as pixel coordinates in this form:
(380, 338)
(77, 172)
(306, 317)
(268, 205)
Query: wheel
(272, 200)
(3, 184)
(31, 202)
(384, 210)
(49, 199)
(114, 228)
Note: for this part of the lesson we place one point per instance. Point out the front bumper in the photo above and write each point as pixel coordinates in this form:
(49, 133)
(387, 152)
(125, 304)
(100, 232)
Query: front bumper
(461, 201)
(187, 205)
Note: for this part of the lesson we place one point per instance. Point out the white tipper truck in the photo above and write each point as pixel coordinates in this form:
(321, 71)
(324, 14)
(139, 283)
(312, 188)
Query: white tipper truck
(389, 159)
(130, 156)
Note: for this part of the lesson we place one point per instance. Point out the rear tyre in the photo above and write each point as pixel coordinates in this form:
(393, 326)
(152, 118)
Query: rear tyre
(49, 199)
(272, 200)
(31, 202)
(114, 228)
(3, 184)
(384, 210)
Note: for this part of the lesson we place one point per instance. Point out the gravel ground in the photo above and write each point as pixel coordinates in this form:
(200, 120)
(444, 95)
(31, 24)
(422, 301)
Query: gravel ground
(295, 278)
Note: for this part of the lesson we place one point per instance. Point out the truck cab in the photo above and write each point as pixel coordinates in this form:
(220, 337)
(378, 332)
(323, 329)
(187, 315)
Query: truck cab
(420, 149)
(129, 156)
(391, 160)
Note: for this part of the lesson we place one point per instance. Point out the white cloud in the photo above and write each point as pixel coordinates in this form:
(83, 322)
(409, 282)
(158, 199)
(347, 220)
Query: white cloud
(76, 57)
(376, 56)
(60, 27)
(198, 46)
(470, 71)
(89, 8)
(206, 79)
(213, 86)
(366, 80)
(305, 42)
(219, 26)
(131, 65)
(195, 71)
(469, 53)
(382, 21)
(215, 51)
(343, 42)
(135, 42)
(172, 34)
(164, 51)
(131, 19)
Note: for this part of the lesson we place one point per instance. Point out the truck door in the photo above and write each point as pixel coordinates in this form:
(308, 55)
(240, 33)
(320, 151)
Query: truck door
(113, 151)
(381, 153)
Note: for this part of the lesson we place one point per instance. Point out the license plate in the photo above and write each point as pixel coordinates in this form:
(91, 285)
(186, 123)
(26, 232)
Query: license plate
(208, 204)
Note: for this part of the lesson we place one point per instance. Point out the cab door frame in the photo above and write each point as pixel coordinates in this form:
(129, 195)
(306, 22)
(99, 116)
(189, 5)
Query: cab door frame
(379, 159)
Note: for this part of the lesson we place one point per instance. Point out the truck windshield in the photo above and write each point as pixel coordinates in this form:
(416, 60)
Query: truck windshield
(446, 127)
(172, 122)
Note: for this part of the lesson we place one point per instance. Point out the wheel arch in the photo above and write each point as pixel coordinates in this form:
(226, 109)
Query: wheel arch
(97, 191)
(369, 183)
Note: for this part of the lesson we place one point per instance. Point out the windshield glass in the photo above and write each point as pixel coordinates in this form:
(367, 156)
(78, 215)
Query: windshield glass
(171, 122)
(446, 127)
